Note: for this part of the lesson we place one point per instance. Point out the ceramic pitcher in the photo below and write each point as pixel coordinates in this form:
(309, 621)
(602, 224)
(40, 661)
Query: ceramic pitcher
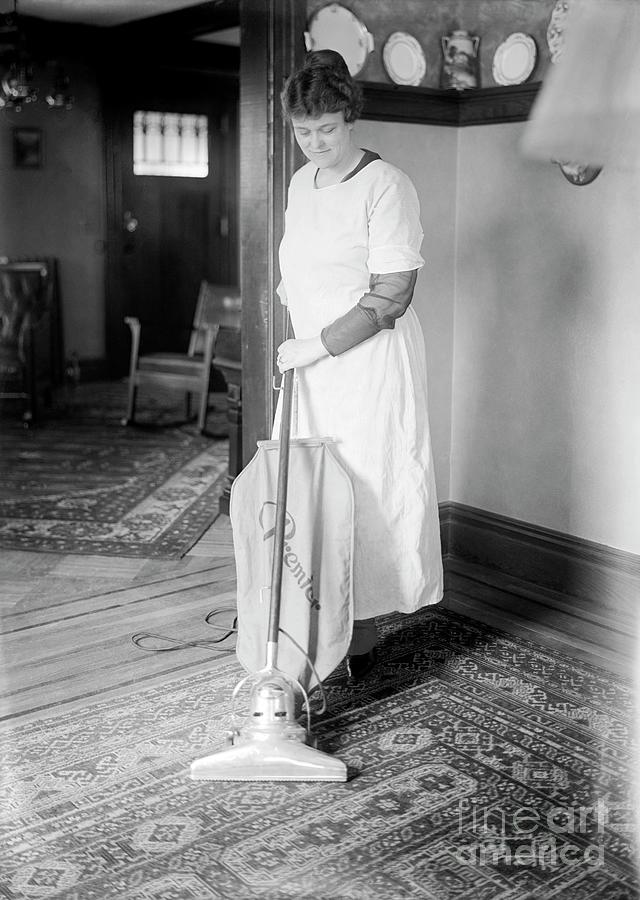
(460, 63)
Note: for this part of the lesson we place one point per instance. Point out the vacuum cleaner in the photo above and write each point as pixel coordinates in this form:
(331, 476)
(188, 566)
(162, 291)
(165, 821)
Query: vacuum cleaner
(269, 744)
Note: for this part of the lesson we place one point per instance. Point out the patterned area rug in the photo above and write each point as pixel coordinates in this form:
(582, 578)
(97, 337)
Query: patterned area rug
(106, 402)
(79, 482)
(482, 767)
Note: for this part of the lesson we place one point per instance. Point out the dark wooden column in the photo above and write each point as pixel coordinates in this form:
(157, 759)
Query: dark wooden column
(272, 46)
(232, 371)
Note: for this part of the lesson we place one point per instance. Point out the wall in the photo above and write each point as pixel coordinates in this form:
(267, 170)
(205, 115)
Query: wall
(58, 210)
(528, 302)
(491, 20)
(428, 156)
(539, 303)
(546, 415)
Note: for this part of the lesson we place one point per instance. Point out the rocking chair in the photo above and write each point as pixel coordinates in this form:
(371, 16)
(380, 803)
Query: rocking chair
(218, 307)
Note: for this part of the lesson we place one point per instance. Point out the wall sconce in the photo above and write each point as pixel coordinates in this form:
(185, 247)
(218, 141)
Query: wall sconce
(578, 173)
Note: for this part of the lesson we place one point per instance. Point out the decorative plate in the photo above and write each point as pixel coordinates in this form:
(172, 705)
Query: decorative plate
(555, 29)
(334, 27)
(403, 59)
(514, 59)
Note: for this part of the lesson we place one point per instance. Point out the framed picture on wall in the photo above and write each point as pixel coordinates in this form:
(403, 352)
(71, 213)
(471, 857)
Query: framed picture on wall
(28, 149)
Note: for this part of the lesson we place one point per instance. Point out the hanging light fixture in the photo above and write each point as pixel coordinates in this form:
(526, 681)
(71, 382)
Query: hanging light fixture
(17, 87)
(59, 96)
(16, 83)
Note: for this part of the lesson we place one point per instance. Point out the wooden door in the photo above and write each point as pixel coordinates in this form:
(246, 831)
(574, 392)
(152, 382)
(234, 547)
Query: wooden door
(168, 231)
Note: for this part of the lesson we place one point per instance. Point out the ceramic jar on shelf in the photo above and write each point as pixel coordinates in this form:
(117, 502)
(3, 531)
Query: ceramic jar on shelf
(460, 60)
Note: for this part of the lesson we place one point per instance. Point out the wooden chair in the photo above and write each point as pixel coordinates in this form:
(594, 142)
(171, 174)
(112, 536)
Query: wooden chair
(218, 307)
(30, 332)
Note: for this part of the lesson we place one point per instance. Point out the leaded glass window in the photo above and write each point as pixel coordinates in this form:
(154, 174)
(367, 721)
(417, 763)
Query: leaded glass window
(175, 144)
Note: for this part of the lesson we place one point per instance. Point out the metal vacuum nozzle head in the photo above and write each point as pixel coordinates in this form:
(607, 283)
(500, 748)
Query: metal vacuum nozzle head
(272, 702)
(270, 745)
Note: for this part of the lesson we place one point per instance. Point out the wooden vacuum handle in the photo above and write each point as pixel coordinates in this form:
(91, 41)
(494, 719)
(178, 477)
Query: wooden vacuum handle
(281, 515)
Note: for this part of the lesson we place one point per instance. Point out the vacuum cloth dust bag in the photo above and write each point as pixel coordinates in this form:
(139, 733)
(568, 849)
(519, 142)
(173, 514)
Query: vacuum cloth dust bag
(317, 604)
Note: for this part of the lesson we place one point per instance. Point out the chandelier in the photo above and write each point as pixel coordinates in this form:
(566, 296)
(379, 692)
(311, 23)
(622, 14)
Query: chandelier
(17, 71)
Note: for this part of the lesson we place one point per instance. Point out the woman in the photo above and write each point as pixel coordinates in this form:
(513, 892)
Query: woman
(349, 260)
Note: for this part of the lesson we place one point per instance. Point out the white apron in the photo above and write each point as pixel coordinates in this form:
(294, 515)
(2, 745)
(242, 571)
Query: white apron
(373, 398)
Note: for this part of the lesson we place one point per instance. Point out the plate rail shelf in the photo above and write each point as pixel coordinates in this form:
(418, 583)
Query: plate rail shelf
(429, 106)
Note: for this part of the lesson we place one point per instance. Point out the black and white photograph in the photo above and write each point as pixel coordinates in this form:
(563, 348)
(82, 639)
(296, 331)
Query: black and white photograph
(319, 449)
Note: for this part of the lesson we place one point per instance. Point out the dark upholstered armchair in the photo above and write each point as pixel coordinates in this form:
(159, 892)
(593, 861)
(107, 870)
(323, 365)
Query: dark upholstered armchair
(217, 312)
(30, 334)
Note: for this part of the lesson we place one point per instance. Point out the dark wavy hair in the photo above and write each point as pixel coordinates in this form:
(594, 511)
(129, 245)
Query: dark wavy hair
(323, 84)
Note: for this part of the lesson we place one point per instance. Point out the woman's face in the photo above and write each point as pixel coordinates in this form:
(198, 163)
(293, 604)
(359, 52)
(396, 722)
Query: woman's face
(326, 141)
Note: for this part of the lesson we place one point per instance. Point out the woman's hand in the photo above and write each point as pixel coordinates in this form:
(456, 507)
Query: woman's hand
(295, 354)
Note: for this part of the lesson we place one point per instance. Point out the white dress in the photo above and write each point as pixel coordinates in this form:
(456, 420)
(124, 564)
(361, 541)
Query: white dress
(373, 397)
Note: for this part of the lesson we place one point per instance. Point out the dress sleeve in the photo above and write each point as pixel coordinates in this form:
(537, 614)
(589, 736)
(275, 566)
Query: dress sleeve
(395, 237)
(395, 232)
(387, 299)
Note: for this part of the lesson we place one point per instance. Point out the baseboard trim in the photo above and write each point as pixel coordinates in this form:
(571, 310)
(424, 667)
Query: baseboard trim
(570, 589)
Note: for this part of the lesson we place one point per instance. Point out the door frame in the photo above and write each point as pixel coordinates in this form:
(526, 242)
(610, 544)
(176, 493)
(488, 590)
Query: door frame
(271, 48)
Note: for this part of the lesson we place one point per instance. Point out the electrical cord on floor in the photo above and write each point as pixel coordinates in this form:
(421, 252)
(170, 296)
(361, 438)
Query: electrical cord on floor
(208, 619)
(141, 640)
(323, 708)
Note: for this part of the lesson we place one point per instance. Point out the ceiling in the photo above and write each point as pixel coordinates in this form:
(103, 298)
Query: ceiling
(103, 13)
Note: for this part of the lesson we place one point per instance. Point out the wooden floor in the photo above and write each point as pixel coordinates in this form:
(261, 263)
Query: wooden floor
(67, 621)
(582, 629)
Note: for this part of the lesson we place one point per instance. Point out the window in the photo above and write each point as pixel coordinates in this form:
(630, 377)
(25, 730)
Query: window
(170, 144)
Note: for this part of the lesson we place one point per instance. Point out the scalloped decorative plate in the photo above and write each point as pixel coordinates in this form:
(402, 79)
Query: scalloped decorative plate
(334, 27)
(403, 59)
(514, 60)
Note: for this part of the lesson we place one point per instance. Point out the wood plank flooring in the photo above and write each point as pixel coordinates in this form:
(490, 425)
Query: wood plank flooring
(67, 621)
(584, 630)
